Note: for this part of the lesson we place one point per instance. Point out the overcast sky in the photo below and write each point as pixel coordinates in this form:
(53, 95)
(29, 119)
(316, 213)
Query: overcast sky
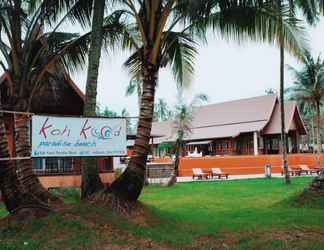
(224, 71)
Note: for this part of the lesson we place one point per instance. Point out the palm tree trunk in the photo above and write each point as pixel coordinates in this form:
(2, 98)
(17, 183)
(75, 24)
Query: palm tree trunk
(14, 196)
(318, 134)
(282, 114)
(26, 176)
(9, 184)
(129, 185)
(91, 182)
(313, 135)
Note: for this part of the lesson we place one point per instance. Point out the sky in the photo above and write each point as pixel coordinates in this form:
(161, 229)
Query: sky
(223, 70)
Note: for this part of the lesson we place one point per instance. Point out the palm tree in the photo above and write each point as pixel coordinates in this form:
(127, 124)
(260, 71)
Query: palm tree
(90, 181)
(296, 45)
(308, 89)
(162, 111)
(29, 56)
(183, 116)
(162, 44)
(14, 195)
(33, 48)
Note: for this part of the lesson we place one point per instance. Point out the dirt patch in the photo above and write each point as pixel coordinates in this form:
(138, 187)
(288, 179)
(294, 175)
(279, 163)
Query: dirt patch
(229, 240)
(292, 235)
(140, 216)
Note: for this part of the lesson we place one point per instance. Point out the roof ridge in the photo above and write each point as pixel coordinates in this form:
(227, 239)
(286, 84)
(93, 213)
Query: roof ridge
(237, 100)
(232, 123)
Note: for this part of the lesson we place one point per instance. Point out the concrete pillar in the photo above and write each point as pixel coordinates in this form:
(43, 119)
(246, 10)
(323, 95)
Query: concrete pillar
(255, 143)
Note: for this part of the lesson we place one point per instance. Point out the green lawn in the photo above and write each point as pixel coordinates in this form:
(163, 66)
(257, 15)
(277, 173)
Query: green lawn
(245, 214)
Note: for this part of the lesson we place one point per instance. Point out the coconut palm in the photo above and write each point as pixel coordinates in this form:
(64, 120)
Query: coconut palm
(30, 56)
(168, 30)
(287, 10)
(90, 181)
(36, 53)
(308, 89)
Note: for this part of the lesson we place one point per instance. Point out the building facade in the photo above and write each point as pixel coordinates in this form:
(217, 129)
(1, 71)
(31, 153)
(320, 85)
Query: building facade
(241, 127)
(61, 98)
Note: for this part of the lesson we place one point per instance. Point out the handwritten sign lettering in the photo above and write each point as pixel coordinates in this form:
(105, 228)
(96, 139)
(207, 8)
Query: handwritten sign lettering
(70, 136)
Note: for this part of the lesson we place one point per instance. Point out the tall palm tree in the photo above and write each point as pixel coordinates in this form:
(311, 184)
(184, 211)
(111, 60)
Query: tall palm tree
(14, 195)
(287, 10)
(162, 44)
(35, 52)
(90, 181)
(308, 89)
(29, 56)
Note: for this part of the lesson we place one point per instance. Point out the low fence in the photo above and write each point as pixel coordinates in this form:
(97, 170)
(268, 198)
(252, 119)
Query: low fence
(243, 165)
(157, 172)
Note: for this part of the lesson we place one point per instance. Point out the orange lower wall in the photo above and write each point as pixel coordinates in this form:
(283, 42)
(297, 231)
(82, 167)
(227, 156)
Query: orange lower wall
(70, 180)
(237, 165)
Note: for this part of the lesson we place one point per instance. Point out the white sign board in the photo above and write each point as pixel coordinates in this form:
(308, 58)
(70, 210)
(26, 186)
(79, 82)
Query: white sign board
(70, 136)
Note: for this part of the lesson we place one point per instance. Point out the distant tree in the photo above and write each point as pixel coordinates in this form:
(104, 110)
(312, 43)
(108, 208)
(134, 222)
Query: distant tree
(129, 127)
(162, 111)
(271, 91)
(183, 116)
(105, 111)
(308, 90)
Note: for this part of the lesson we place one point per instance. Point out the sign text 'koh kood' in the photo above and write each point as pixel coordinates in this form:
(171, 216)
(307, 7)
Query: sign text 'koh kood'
(70, 136)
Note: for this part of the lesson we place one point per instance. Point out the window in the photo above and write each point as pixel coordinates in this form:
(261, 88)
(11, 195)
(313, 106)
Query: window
(59, 165)
(38, 164)
(52, 165)
(66, 164)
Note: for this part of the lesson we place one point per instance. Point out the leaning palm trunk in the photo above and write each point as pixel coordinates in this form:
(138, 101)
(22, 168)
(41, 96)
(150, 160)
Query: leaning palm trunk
(91, 182)
(129, 185)
(14, 196)
(318, 135)
(282, 115)
(9, 184)
(26, 176)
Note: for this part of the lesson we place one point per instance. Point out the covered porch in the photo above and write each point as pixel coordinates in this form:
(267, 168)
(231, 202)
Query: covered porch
(244, 144)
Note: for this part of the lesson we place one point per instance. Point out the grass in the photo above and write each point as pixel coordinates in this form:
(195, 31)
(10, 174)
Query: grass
(245, 214)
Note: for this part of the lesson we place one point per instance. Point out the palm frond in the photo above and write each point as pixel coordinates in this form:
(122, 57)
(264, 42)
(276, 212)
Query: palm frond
(179, 51)
(52, 11)
(241, 22)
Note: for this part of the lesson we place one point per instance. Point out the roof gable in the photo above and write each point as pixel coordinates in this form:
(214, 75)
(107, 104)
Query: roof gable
(63, 97)
(293, 120)
(230, 119)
